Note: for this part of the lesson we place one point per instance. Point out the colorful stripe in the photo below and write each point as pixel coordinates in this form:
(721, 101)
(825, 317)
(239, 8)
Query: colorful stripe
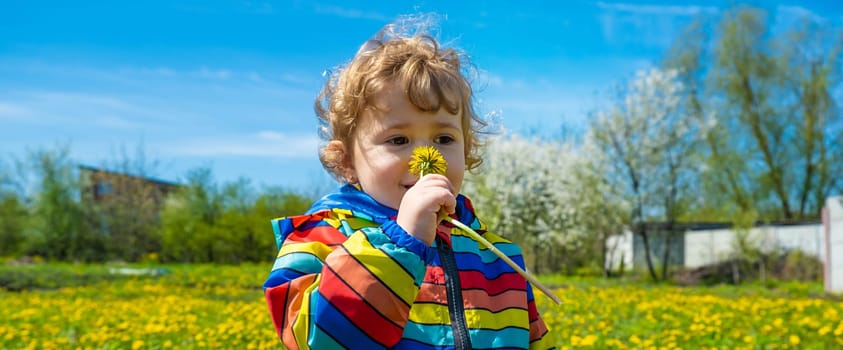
(480, 338)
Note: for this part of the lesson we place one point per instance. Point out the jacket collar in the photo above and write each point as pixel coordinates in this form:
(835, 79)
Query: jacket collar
(351, 198)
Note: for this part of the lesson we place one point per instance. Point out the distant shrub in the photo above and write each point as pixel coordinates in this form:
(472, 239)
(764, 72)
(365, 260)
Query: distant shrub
(792, 265)
(798, 266)
(16, 277)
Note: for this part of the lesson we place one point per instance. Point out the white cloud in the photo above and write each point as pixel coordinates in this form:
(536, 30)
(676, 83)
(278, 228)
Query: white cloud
(260, 144)
(191, 115)
(269, 135)
(212, 7)
(349, 13)
(11, 110)
(798, 11)
(158, 71)
(298, 78)
(649, 25)
(562, 97)
(255, 77)
(788, 15)
(220, 74)
(523, 106)
(115, 122)
(62, 97)
(487, 79)
(261, 7)
(65, 110)
(147, 95)
(660, 10)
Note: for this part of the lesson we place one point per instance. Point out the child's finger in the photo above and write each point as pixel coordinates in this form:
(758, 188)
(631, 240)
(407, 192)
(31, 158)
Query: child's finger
(439, 180)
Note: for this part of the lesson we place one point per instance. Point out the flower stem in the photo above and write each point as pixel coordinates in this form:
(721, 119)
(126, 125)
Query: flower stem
(477, 237)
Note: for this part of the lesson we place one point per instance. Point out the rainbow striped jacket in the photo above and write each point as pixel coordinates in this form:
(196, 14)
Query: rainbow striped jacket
(348, 277)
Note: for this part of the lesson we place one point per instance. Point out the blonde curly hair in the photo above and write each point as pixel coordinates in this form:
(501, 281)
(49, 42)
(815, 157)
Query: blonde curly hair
(402, 53)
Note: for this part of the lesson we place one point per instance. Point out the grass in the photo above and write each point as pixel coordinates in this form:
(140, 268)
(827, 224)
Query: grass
(221, 306)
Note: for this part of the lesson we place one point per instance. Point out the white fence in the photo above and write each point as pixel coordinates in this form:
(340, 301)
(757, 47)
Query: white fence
(702, 247)
(707, 247)
(619, 251)
(833, 241)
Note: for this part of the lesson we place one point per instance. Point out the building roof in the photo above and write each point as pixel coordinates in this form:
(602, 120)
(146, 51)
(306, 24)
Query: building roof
(145, 178)
(699, 226)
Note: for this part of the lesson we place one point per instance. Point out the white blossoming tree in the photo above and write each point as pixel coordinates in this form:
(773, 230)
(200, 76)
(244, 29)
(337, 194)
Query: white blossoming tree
(532, 191)
(645, 143)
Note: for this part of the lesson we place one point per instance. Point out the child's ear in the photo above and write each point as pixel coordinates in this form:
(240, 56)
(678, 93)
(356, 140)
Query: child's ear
(340, 158)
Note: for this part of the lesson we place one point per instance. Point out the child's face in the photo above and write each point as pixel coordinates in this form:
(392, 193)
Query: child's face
(385, 138)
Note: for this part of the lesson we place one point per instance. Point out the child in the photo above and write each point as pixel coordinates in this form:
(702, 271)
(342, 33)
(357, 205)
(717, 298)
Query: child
(371, 265)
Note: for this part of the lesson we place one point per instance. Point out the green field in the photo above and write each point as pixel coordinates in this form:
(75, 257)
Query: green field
(55, 306)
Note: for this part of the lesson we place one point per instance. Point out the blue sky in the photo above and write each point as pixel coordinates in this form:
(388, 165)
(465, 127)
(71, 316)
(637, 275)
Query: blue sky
(230, 84)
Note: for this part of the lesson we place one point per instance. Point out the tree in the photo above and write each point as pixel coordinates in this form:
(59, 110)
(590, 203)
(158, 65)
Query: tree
(206, 222)
(128, 216)
(188, 218)
(602, 208)
(647, 142)
(527, 191)
(746, 76)
(813, 67)
(767, 98)
(259, 242)
(58, 230)
(13, 215)
(721, 192)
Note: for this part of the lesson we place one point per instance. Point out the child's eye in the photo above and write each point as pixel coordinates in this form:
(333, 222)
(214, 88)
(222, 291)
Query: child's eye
(443, 140)
(398, 140)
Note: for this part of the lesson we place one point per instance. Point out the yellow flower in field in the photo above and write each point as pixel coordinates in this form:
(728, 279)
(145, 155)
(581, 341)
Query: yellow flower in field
(634, 339)
(615, 343)
(588, 340)
(825, 330)
(830, 314)
(137, 344)
(427, 160)
(794, 339)
(748, 339)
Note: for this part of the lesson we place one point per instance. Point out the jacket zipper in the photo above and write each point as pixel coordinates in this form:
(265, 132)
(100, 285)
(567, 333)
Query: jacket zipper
(453, 289)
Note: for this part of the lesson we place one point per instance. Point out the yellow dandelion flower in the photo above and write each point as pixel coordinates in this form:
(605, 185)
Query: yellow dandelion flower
(588, 340)
(825, 330)
(427, 160)
(634, 339)
(748, 339)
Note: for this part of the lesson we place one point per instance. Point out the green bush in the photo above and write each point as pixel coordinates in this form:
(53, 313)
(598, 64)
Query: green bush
(14, 277)
(799, 266)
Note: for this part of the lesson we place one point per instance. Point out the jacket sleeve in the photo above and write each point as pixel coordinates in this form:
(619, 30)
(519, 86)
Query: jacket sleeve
(539, 336)
(333, 286)
(539, 333)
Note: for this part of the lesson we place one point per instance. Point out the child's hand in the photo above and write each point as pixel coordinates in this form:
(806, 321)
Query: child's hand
(419, 212)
